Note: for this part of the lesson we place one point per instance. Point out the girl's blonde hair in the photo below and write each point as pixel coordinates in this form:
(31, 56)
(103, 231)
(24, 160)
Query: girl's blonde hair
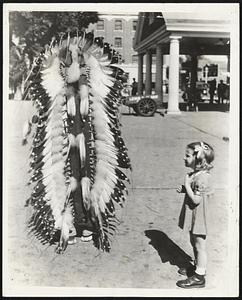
(204, 155)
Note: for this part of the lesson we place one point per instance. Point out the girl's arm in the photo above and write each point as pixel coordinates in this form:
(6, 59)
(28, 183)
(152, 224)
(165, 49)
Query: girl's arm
(181, 189)
(196, 199)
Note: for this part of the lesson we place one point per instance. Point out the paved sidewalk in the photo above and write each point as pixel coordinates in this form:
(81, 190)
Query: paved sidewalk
(149, 246)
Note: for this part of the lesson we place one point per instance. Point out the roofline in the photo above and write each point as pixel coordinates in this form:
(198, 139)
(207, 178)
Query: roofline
(161, 36)
(158, 35)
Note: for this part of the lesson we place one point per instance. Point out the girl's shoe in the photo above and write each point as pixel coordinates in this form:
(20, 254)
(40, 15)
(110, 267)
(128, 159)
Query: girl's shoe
(191, 282)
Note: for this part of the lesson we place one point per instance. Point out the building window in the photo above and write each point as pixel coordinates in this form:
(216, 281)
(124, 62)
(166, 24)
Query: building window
(135, 25)
(118, 25)
(100, 25)
(134, 58)
(118, 42)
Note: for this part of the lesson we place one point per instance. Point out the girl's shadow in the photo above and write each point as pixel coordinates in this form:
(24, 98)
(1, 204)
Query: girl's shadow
(168, 250)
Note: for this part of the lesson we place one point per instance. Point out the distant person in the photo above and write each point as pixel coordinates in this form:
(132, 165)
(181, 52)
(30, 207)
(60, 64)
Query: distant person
(226, 94)
(212, 89)
(191, 96)
(134, 87)
(221, 91)
(193, 217)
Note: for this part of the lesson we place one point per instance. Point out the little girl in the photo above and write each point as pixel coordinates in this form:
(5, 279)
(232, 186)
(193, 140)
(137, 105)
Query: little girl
(193, 216)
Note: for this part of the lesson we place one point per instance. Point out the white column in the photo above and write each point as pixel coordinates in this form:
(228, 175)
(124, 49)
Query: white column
(164, 71)
(173, 99)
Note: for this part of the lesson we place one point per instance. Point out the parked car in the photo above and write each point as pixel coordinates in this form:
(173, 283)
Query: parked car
(143, 105)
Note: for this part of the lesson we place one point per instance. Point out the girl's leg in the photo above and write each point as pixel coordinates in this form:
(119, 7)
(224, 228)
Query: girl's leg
(197, 280)
(200, 244)
(189, 270)
(192, 241)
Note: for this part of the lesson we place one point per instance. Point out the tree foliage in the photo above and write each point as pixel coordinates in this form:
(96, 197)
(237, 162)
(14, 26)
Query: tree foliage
(38, 27)
(35, 29)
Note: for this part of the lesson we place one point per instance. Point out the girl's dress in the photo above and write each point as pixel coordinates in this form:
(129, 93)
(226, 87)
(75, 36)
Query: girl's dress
(193, 217)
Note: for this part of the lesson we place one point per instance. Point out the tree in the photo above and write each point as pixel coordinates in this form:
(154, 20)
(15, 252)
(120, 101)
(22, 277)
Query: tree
(35, 30)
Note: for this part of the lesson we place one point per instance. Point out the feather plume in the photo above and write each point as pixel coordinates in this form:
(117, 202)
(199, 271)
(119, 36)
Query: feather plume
(72, 140)
(73, 184)
(67, 224)
(71, 105)
(84, 97)
(105, 178)
(82, 148)
(85, 185)
(53, 162)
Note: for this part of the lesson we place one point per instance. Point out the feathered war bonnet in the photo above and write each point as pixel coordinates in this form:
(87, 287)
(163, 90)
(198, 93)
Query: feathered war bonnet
(77, 150)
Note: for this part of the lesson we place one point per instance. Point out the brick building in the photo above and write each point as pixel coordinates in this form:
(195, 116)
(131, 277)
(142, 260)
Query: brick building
(118, 30)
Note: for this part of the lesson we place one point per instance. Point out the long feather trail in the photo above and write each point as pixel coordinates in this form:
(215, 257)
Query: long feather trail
(77, 100)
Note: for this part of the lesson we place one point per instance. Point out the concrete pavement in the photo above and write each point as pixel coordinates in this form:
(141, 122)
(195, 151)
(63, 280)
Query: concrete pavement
(148, 247)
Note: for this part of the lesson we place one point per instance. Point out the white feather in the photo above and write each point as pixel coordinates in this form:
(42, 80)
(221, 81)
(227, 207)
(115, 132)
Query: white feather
(52, 80)
(85, 185)
(82, 148)
(84, 106)
(84, 96)
(65, 223)
(73, 184)
(104, 63)
(107, 71)
(72, 140)
(97, 76)
(71, 106)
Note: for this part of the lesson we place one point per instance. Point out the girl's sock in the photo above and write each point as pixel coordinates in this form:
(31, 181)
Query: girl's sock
(200, 271)
(200, 277)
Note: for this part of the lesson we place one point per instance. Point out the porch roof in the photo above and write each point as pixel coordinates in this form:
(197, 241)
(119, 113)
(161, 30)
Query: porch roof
(201, 34)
